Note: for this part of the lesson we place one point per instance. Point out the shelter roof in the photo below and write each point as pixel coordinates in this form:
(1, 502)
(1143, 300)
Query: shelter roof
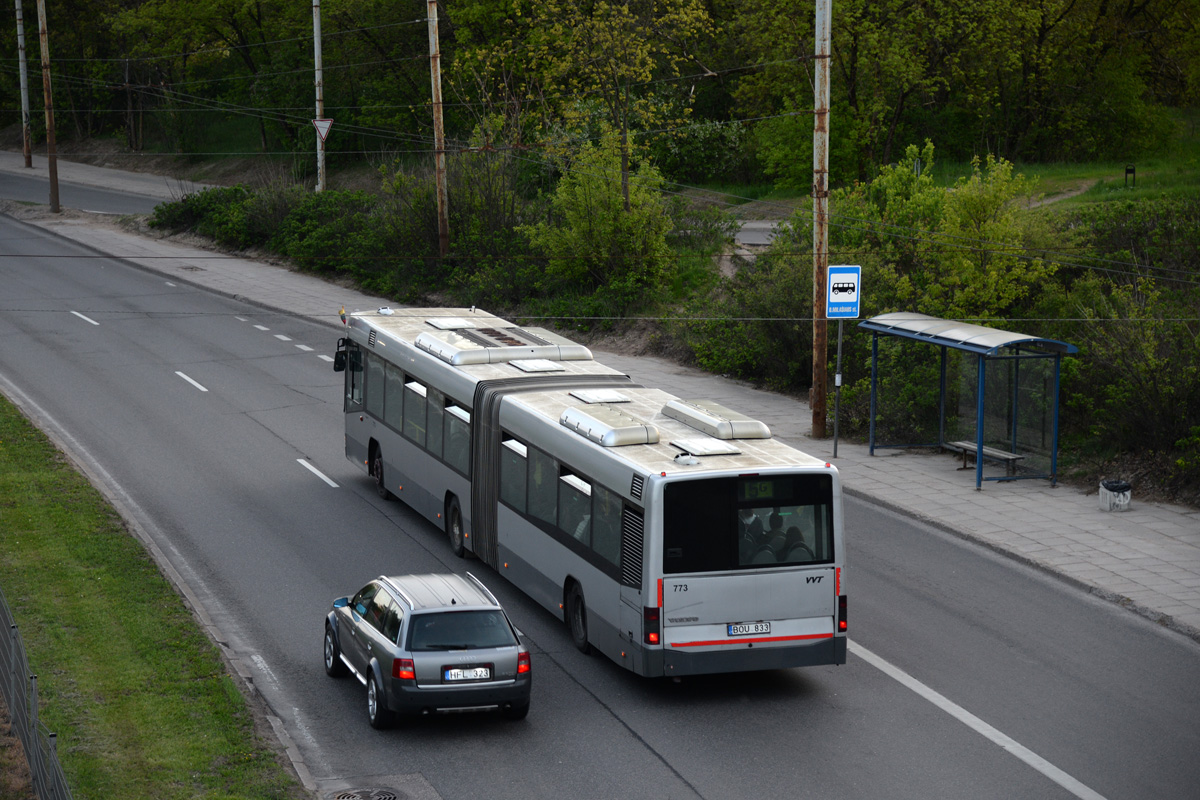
(967, 336)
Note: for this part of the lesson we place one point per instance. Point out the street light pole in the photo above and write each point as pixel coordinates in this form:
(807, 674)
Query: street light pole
(820, 217)
(319, 81)
(26, 133)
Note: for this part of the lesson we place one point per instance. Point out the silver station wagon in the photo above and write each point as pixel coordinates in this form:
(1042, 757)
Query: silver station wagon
(424, 644)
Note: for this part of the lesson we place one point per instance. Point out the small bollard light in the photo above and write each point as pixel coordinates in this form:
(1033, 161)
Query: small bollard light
(1130, 172)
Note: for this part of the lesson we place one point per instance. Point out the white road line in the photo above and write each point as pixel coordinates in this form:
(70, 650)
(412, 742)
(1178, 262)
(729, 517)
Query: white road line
(85, 319)
(283, 338)
(324, 357)
(241, 319)
(192, 382)
(976, 724)
(170, 284)
(262, 327)
(315, 471)
(305, 348)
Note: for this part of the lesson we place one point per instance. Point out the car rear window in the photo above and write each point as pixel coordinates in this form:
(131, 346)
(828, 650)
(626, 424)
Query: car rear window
(459, 630)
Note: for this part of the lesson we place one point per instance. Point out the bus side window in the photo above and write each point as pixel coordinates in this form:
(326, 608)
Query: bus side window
(575, 507)
(437, 402)
(606, 524)
(354, 379)
(374, 385)
(513, 473)
(457, 438)
(393, 398)
(414, 412)
(543, 491)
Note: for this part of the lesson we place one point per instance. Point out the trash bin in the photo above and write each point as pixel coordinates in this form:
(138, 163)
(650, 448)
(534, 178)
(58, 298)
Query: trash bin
(1114, 495)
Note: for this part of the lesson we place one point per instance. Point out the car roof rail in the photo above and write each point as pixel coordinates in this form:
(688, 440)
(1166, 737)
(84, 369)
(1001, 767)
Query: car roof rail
(397, 590)
(485, 589)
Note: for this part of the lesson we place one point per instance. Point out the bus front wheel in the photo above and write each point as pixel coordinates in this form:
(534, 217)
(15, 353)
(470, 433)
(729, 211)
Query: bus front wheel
(377, 470)
(454, 528)
(577, 619)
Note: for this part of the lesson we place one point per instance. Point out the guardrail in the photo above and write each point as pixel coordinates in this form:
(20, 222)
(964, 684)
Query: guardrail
(19, 686)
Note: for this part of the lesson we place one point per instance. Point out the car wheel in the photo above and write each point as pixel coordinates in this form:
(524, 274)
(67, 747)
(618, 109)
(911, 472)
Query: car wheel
(577, 619)
(516, 712)
(377, 470)
(334, 667)
(454, 528)
(377, 712)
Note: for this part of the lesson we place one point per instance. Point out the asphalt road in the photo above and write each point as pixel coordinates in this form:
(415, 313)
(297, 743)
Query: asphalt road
(195, 411)
(32, 189)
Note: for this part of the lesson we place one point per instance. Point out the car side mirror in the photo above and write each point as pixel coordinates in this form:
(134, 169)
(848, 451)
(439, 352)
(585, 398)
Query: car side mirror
(341, 602)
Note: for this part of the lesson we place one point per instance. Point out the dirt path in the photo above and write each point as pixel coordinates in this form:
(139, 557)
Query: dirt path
(1074, 191)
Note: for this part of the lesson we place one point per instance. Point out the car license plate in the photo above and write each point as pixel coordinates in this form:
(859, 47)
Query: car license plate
(748, 628)
(467, 673)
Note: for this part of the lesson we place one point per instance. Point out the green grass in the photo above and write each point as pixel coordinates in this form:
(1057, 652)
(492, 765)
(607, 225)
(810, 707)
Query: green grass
(1175, 172)
(138, 695)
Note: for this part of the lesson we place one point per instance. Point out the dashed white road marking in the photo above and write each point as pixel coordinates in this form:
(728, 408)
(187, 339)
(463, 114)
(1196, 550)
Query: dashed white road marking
(85, 319)
(192, 382)
(316, 472)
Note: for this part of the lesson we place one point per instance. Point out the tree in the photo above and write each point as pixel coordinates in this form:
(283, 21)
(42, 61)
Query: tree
(595, 246)
(583, 64)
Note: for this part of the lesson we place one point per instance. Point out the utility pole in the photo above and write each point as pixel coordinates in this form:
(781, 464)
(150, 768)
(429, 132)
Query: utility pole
(320, 84)
(439, 138)
(820, 190)
(51, 155)
(26, 134)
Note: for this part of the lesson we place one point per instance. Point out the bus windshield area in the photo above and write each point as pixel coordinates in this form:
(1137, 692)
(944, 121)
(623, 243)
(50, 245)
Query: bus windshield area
(755, 522)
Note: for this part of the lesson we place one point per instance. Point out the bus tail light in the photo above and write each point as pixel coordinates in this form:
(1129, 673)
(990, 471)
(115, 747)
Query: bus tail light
(403, 669)
(841, 613)
(651, 625)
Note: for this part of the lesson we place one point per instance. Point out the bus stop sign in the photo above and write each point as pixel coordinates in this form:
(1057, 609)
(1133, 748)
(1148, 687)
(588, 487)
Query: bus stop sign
(843, 288)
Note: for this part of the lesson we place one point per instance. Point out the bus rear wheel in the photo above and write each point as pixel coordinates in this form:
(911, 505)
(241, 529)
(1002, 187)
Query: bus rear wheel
(454, 528)
(577, 619)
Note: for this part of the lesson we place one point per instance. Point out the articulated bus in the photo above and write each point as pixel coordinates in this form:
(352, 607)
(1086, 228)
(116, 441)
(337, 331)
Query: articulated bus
(676, 537)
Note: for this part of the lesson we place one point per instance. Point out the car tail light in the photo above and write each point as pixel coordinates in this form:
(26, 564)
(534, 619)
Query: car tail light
(651, 625)
(523, 663)
(841, 613)
(403, 669)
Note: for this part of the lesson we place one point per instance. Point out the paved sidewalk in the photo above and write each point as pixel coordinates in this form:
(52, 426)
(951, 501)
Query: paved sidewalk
(1147, 558)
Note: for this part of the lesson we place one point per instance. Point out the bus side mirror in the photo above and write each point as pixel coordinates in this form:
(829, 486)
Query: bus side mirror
(339, 361)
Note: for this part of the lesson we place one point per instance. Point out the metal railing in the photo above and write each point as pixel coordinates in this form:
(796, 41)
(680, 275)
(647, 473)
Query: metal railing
(19, 686)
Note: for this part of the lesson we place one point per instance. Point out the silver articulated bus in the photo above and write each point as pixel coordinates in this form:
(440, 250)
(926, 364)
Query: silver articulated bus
(675, 536)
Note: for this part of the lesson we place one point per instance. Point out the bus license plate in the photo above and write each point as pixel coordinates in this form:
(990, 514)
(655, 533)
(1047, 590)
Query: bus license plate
(748, 628)
(468, 674)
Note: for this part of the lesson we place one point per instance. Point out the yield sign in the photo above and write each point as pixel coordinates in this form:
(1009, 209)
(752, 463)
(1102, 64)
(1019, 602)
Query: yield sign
(323, 126)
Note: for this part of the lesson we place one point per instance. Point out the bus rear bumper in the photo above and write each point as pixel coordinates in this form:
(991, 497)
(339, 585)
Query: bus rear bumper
(674, 663)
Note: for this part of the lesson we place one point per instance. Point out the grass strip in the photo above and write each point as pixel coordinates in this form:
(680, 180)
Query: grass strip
(139, 697)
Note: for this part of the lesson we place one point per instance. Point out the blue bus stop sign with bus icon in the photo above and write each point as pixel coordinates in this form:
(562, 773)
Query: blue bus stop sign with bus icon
(843, 288)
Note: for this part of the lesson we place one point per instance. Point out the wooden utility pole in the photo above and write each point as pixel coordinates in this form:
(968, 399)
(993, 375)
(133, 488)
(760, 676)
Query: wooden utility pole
(820, 190)
(439, 138)
(26, 133)
(51, 155)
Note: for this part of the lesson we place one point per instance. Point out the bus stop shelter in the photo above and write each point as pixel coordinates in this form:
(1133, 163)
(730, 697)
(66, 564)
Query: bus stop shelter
(1004, 424)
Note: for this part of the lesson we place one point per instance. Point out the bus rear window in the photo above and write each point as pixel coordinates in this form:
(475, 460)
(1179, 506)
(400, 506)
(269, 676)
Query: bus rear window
(759, 522)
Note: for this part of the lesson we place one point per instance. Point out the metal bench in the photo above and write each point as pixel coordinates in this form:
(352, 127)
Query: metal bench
(968, 449)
